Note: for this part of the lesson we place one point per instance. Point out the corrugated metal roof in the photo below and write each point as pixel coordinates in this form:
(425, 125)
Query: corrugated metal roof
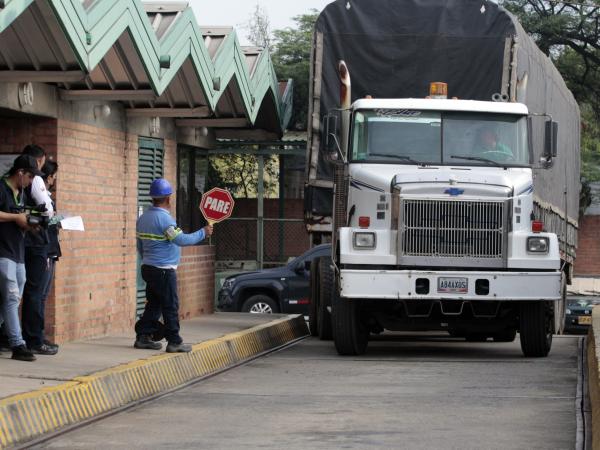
(214, 37)
(153, 56)
(162, 15)
(36, 41)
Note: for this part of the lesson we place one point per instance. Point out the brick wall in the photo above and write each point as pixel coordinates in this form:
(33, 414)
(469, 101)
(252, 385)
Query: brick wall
(16, 133)
(96, 280)
(588, 250)
(94, 285)
(196, 281)
(94, 292)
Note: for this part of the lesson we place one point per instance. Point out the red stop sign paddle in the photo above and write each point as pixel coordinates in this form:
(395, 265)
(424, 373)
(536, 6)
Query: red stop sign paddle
(216, 205)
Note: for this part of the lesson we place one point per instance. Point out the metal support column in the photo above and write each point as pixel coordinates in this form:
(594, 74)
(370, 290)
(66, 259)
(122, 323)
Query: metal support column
(281, 206)
(260, 213)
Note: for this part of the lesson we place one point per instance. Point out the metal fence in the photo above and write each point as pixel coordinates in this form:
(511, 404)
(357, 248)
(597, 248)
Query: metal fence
(238, 241)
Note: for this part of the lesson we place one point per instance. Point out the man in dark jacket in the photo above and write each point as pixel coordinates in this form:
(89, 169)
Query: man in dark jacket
(38, 266)
(13, 225)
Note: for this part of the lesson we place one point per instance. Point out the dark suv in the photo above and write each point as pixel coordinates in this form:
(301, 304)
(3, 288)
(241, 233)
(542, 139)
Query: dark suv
(279, 290)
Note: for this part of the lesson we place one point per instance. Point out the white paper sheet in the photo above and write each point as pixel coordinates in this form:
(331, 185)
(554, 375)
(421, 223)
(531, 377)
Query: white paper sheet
(74, 223)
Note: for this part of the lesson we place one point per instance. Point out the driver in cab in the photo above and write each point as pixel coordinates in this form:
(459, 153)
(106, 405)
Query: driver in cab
(487, 146)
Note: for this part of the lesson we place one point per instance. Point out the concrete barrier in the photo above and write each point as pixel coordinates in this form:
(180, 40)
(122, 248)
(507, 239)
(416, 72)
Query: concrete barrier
(28, 416)
(593, 356)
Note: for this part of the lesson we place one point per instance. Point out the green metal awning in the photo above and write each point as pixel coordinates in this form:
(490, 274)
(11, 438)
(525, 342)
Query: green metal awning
(153, 57)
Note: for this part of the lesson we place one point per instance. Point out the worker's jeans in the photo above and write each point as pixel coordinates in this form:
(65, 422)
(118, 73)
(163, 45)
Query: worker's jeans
(12, 281)
(38, 272)
(161, 297)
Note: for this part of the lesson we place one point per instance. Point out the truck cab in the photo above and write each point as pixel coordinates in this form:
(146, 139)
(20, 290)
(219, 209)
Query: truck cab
(439, 230)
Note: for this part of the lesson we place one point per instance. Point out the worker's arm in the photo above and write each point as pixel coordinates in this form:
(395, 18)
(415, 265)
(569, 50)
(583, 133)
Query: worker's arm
(19, 218)
(178, 237)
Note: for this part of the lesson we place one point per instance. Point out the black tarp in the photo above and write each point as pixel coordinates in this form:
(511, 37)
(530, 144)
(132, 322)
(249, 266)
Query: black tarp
(395, 48)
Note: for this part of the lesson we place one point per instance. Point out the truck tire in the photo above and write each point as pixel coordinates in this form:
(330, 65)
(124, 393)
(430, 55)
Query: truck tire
(350, 336)
(535, 326)
(313, 323)
(326, 292)
(260, 304)
(559, 307)
(508, 335)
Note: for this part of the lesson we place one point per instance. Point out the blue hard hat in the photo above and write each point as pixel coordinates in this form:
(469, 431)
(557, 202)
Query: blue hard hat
(160, 188)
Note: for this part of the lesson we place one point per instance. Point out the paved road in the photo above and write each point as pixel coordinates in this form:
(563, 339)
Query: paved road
(407, 392)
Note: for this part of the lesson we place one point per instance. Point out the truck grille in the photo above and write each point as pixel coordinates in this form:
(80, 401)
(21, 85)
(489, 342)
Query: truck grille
(453, 228)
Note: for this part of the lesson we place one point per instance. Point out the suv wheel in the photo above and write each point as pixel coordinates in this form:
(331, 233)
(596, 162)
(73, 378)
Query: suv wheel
(260, 304)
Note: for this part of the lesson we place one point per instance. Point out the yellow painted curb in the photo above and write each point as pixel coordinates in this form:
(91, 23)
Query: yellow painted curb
(30, 415)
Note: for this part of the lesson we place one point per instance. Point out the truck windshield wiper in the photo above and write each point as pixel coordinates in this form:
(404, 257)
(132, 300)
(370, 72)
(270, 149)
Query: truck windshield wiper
(405, 158)
(476, 158)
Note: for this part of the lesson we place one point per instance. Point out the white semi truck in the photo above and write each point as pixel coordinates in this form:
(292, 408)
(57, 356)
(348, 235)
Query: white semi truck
(455, 213)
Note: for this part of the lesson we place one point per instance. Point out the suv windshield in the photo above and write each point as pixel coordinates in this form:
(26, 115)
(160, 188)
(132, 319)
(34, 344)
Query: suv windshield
(432, 137)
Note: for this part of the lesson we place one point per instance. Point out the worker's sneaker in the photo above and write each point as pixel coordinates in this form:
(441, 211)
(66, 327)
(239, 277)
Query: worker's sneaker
(22, 354)
(179, 348)
(144, 341)
(43, 349)
(50, 344)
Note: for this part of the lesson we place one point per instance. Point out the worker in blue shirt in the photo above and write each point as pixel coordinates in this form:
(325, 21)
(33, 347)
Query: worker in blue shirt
(158, 242)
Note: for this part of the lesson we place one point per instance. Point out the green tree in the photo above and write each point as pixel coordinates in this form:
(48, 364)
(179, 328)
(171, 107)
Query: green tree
(239, 175)
(569, 33)
(258, 28)
(291, 59)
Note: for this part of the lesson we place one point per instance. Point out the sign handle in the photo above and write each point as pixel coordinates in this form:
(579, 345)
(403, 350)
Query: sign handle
(211, 223)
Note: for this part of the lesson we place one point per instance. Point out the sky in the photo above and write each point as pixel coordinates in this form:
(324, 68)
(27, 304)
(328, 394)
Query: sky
(237, 12)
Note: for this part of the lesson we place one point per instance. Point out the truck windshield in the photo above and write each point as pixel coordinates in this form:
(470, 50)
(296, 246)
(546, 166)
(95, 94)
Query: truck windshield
(428, 137)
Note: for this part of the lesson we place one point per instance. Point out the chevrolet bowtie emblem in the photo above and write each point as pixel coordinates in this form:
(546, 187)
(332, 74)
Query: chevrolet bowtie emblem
(454, 191)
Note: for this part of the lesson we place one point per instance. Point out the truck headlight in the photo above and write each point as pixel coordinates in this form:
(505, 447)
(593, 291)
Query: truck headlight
(537, 244)
(364, 240)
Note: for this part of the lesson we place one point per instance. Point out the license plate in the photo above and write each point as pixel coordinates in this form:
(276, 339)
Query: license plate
(453, 285)
(585, 320)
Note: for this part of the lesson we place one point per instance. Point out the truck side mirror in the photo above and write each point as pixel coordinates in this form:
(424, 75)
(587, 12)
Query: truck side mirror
(330, 129)
(550, 139)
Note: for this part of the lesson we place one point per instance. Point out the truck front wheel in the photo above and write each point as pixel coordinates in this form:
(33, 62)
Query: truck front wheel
(350, 336)
(535, 326)
(313, 324)
(326, 292)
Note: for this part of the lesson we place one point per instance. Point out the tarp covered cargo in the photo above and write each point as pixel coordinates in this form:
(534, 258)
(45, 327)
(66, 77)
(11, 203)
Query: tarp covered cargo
(394, 48)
